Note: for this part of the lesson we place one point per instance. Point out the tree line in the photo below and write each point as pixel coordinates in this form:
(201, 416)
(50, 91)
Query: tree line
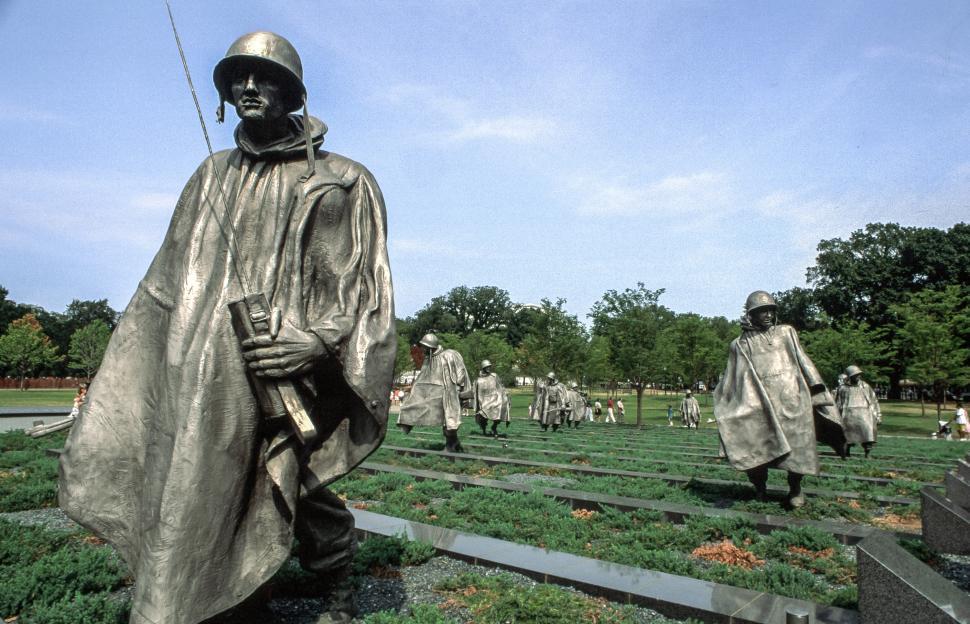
(39, 342)
(894, 300)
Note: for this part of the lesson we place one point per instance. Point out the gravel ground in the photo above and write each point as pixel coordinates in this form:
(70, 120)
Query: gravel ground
(956, 569)
(53, 519)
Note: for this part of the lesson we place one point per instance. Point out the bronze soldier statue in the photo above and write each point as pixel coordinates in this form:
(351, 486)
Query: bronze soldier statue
(438, 394)
(859, 408)
(771, 405)
(552, 403)
(690, 411)
(490, 401)
(174, 459)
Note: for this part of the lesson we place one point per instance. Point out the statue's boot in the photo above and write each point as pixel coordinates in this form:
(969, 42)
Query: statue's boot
(342, 608)
(545, 427)
(795, 497)
(452, 445)
(759, 479)
(406, 428)
(848, 450)
(867, 448)
(495, 428)
(555, 428)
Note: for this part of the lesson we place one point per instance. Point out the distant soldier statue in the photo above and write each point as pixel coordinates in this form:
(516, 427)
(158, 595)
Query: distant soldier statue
(577, 406)
(771, 405)
(690, 411)
(439, 390)
(551, 403)
(490, 401)
(200, 454)
(859, 407)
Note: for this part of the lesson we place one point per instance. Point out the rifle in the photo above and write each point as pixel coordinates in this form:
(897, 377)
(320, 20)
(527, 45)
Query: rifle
(251, 315)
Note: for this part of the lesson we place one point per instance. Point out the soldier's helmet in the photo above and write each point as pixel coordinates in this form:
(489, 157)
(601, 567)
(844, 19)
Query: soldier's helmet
(551, 376)
(429, 341)
(573, 385)
(852, 371)
(689, 393)
(759, 299)
(271, 53)
(486, 364)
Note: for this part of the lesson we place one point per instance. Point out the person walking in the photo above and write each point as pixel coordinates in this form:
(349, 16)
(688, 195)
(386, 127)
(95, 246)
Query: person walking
(619, 408)
(609, 411)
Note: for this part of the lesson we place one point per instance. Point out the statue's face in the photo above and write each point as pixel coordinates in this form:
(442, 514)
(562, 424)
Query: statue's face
(763, 318)
(854, 380)
(258, 97)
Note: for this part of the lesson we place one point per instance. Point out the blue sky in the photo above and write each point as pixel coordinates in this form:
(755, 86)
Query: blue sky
(554, 149)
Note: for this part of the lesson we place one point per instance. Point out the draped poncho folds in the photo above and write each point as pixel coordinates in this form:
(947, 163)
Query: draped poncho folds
(764, 405)
(434, 399)
(170, 460)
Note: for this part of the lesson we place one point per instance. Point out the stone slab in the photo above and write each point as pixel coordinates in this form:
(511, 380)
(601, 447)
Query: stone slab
(957, 489)
(674, 596)
(896, 588)
(946, 525)
(963, 469)
(668, 477)
(673, 512)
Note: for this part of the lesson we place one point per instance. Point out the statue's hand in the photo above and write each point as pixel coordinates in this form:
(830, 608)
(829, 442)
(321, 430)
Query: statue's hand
(293, 352)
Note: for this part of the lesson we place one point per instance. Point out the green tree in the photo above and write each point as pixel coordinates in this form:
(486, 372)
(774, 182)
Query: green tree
(932, 335)
(87, 347)
(463, 310)
(878, 267)
(632, 320)
(25, 348)
(852, 342)
(557, 341)
(482, 345)
(797, 307)
(691, 348)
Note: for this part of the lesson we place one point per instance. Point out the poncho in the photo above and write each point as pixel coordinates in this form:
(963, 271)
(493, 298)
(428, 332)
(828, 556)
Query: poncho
(170, 460)
(489, 398)
(434, 400)
(860, 412)
(764, 405)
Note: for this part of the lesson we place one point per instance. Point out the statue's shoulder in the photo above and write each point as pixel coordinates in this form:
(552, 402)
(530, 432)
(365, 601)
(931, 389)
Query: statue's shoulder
(344, 169)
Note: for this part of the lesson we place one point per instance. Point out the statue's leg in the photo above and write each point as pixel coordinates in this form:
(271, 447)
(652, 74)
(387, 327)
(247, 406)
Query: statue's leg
(795, 497)
(406, 428)
(867, 447)
(325, 531)
(452, 444)
(759, 479)
(495, 428)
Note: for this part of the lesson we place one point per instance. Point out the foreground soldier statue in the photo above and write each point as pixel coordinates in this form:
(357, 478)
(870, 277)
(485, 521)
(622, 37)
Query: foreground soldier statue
(859, 408)
(172, 459)
(690, 411)
(490, 401)
(439, 390)
(771, 405)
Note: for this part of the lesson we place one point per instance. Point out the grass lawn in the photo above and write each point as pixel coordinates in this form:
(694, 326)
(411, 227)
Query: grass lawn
(898, 417)
(37, 398)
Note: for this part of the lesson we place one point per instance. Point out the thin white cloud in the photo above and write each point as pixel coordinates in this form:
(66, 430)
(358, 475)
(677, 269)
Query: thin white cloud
(946, 63)
(430, 249)
(510, 128)
(21, 114)
(673, 196)
(154, 201)
(459, 120)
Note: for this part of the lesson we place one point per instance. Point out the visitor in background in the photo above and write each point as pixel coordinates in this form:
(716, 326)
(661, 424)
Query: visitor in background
(963, 424)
